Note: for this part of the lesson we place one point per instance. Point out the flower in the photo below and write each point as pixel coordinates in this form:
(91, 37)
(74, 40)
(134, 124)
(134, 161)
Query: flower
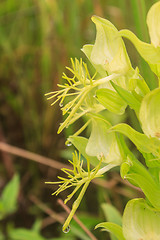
(79, 92)
(108, 53)
(139, 222)
(153, 22)
(79, 179)
(150, 52)
(149, 114)
(102, 142)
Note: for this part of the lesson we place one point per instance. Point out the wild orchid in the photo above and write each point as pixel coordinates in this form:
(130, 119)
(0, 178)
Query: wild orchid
(114, 86)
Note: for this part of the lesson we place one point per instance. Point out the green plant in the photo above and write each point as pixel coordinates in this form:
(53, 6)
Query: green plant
(114, 86)
(8, 204)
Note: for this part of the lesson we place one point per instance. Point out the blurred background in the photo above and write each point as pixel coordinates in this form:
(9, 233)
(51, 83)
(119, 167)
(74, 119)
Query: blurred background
(37, 40)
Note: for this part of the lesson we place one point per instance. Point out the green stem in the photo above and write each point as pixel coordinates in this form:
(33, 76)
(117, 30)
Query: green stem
(75, 206)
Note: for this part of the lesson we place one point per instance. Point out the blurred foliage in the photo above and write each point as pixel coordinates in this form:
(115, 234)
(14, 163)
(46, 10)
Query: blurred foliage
(37, 39)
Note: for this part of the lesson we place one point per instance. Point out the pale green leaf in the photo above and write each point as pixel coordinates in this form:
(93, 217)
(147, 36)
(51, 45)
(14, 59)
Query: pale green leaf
(150, 188)
(37, 225)
(142, 142)
(24, 234)
(128, 97)
(112, 228)
(112, 215)
(150, 53)
(10, 194)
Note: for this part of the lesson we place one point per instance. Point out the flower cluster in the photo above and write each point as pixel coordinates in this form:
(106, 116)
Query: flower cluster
(114, 86)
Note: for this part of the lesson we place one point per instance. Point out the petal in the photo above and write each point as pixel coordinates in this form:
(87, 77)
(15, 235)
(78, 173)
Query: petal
(141, 221)
(150, 114)
(153, 22)
(109, 50)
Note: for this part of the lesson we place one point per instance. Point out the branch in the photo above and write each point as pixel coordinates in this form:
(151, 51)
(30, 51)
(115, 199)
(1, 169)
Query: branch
(32, 156)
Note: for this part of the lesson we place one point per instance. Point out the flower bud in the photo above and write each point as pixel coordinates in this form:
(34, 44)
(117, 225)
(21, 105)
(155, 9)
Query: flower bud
(150, 114)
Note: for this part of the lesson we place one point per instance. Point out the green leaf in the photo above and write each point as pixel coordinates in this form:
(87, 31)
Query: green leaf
(1, 207)
(133, 166)
(112, 215)
(151, 160)
(142, 142)
(77, 231)
(150, 188)
(112, 228)
(10, 194)
(128, 97)
(63, 238)
(149, 52)
(80, 143)
(111, 100)
(138, 175)
(24, 234)
(2, 237)
(37, 225)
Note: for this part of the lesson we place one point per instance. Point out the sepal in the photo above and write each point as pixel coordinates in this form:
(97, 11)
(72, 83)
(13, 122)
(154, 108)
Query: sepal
(140, 221)
(103, 143)
(111, 100)
(150, 114)
(109, 51)
(153, 20)
(142, 142)
(150, 53)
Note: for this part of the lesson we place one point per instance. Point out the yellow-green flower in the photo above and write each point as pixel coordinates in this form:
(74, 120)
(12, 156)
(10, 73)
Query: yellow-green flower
(77, 94)
(150, 52)
(102, 142)
(153, 22)
(108, 55)
(150, 114)
(109, 51)
(139, 222)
